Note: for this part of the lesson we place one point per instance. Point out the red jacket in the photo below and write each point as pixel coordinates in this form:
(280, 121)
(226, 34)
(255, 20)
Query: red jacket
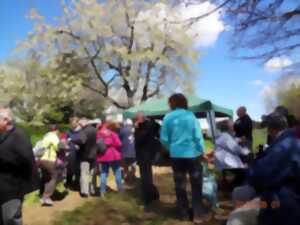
(113, 142)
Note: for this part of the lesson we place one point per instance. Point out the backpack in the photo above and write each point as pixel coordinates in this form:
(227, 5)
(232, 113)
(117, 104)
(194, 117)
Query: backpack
(101, 146)
(39, 149)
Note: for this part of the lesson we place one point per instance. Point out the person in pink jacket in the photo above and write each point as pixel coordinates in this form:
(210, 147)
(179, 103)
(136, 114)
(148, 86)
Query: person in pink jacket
(112, 156)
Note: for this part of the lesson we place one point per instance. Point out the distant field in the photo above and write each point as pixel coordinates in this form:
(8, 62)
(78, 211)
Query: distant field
(260, 137)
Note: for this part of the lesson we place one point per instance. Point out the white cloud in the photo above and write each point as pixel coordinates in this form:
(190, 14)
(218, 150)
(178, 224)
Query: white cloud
(277, 63)
(258, 83)
(205, 32)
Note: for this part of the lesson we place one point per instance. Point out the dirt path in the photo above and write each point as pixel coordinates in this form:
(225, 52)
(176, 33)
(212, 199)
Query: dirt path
(116, 210)
(37, 215)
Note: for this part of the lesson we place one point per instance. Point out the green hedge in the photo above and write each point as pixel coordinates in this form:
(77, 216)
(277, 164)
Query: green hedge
(36, 133)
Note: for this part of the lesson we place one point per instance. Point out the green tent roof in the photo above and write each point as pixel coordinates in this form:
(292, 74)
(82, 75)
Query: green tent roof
(157, 108)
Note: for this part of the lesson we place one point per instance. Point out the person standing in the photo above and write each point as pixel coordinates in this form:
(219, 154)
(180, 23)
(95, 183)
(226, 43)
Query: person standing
(128, 150)
(146, 144)
(87, 156)
(111, 158)
(73, 167)
(47, 164)
(243, 128)
(274, 179)
(182, 137)
(18, 173)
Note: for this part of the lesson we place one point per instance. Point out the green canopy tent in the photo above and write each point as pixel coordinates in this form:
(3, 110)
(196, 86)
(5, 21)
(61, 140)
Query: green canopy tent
(158, 108)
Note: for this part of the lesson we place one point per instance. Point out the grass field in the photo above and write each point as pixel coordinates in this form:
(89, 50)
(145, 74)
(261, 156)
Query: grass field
(259, 137)
(126, 209)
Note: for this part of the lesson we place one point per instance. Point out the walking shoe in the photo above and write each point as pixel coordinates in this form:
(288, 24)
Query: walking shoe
(103, 195)
(46, 202)
(84, 195)
(203, 219)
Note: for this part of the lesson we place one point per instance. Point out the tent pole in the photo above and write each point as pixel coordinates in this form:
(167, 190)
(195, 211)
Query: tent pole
(212, 124)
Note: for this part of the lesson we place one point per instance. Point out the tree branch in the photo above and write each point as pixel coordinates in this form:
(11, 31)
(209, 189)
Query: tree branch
(103, 94)
(196, 19)
(91, 58)
(112, 79)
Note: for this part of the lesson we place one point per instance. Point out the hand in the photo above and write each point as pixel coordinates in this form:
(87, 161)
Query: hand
(242, 140)
(209, 157)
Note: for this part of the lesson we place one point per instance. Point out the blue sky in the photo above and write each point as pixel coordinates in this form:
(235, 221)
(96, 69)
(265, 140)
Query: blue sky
(224, 80)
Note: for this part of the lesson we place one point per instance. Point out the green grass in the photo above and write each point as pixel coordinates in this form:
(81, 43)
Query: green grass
(209, 144)
(259, 137)
(115, 209)
(126, 209)
(32, 198)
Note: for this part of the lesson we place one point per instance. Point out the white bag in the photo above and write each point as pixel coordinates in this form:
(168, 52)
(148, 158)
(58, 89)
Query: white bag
(39, 149)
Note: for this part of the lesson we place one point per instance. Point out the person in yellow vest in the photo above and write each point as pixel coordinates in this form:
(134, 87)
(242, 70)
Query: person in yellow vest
(48, 164)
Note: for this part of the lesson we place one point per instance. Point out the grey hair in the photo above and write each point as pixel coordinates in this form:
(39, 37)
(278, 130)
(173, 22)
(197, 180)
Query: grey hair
(141, 113)
(224, 126)
(7, 114)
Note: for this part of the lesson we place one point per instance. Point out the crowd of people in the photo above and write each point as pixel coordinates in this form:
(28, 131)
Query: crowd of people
(264, 184)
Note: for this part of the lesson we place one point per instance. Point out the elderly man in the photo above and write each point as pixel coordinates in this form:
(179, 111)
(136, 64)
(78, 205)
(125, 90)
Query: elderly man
(17, 169)
(243, 127)
(146, 145)
(273, 179)
(87, 157)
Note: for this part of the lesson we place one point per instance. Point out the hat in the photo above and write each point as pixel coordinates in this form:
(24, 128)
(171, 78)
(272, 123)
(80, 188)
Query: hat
(274, 120)
(94, 121)
(128, 122)
(282, 110)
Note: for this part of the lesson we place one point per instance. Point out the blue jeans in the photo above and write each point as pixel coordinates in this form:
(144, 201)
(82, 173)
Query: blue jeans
(116, 167)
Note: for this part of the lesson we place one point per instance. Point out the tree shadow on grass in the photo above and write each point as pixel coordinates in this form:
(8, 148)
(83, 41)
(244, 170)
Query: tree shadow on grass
(165, 208)
(160, 208)
(59, 196)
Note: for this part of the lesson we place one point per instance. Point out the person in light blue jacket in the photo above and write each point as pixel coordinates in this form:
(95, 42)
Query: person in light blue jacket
(182, 137)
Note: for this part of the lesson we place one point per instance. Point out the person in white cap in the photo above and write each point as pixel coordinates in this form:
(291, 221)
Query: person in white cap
(128, 150)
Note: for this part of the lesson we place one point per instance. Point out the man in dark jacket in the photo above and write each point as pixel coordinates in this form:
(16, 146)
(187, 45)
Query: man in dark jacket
(73, 167)
(146, 145)
(275, 178)
(87, 156)
(243, 127)
(18, 174)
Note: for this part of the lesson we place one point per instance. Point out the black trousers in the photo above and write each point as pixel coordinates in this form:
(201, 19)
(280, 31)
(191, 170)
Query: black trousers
(193, 168)
(238, 180)
(73, 170)
(149, 190)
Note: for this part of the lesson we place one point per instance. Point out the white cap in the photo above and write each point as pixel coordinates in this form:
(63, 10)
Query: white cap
(95, 121)
(128, 122)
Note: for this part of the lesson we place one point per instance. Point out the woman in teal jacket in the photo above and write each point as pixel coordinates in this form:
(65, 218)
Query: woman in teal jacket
(182, 136)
